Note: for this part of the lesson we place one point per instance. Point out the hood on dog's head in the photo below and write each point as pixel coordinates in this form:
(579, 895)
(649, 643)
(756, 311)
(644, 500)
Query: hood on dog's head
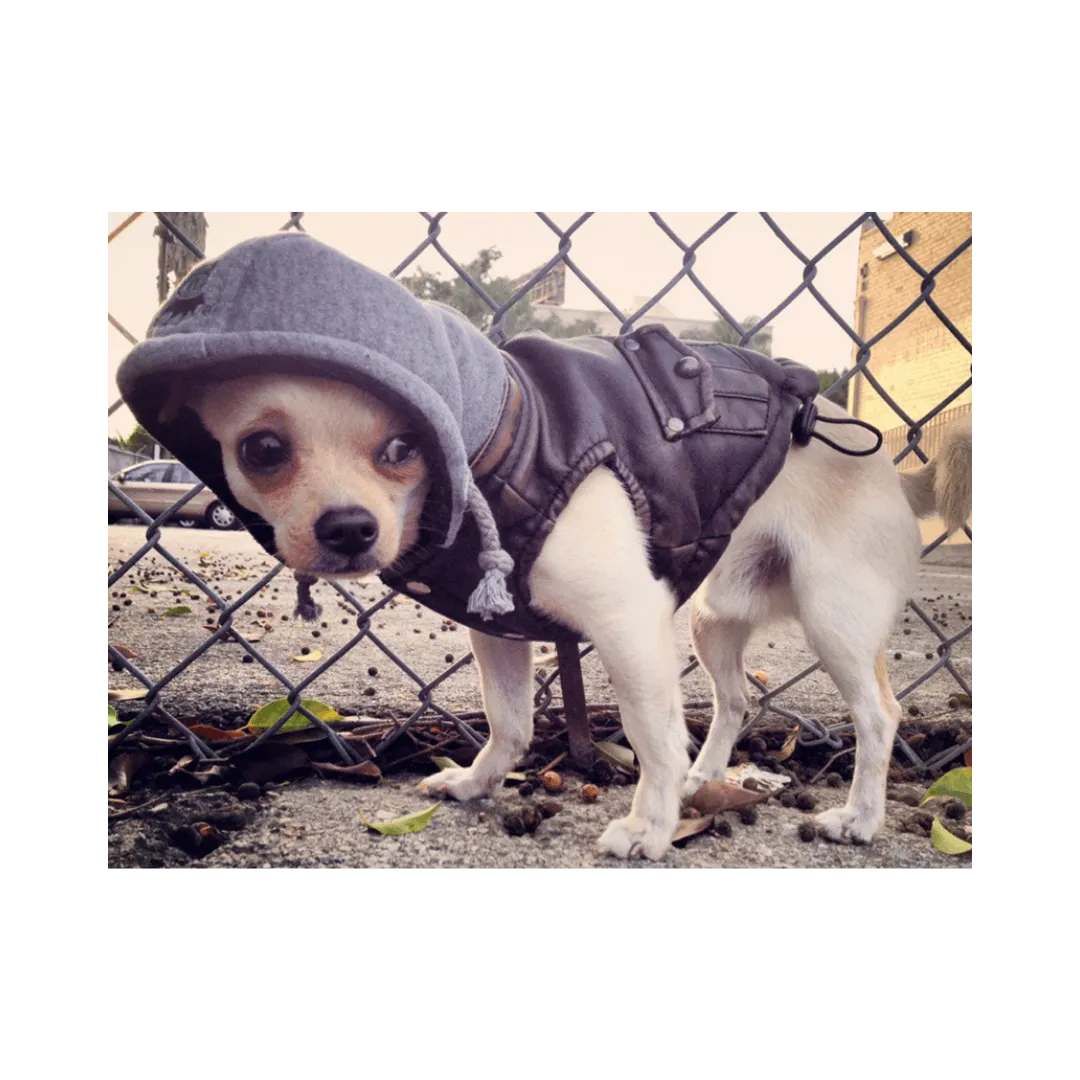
(287, 303)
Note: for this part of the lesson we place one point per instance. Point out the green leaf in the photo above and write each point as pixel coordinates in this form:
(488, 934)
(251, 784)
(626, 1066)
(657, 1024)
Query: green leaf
(614, 754)
(444, 763)
(945, 842)
(400, 826)
(114, 720)
(269, 715)
(180, 609)
(953, 785)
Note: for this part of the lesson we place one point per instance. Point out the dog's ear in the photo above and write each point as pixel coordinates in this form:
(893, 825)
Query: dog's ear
(181, 393)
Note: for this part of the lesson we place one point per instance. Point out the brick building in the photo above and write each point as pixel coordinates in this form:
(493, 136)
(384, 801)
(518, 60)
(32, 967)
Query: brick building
(920, 362)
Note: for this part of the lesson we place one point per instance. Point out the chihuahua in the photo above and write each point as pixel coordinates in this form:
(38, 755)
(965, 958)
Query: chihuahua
(833, 542)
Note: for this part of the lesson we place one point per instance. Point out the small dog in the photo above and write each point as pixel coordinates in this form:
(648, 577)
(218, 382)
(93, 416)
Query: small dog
(833, 542)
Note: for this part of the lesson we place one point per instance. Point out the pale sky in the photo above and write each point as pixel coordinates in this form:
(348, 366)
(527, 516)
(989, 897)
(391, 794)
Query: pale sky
(626, 255)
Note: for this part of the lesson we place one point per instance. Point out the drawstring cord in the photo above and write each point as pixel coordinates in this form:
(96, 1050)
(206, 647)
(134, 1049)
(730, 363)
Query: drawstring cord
(802, 430)
(491, 597)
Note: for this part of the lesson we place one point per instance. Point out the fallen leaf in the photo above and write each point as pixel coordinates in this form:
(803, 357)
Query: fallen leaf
(953, 785)
(126, 695)
(114, 720)
(122, 768)
(967, 757)
(307, 658)
(400, 826)
(205, 731)
(787, 749)
(444, 763)
(180, 609)
(765, 781)
(125, 652)
(367, 772)
(945, 842)
(688, 827)
(718, 795)
(269, 761)
(614, 754)
(762, 677)
(182, 764)
(269, 714)
(517, 777)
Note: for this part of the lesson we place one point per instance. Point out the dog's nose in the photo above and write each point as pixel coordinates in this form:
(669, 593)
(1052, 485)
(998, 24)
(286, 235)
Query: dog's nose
(350, 531)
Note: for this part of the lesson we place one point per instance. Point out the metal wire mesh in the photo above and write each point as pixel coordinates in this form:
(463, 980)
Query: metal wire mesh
(922, 434)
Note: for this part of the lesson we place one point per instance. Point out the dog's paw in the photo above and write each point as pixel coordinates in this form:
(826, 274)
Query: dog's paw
(635, 838)
(460, 784)
(846, 826)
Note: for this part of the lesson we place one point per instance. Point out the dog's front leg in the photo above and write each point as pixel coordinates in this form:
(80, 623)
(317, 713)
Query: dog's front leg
(640, 656)
(593, 575)
(506, 679)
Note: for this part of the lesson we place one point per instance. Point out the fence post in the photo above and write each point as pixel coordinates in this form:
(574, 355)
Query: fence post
(573, 693)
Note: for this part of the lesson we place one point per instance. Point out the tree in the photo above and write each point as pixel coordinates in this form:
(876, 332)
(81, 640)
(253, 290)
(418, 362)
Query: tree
(140, 441)
(724, 333)
(826, 379)
(174, 259)
(458, 293)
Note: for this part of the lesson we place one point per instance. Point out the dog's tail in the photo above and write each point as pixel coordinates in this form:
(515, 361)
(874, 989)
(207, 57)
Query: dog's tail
(943, 485)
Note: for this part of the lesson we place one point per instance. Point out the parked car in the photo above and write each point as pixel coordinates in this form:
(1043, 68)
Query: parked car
(155, 485)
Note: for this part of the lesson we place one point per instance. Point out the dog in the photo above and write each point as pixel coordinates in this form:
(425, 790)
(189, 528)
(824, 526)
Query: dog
(341, 478)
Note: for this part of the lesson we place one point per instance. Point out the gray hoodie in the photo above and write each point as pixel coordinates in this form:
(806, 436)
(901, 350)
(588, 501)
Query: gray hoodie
(288, 303)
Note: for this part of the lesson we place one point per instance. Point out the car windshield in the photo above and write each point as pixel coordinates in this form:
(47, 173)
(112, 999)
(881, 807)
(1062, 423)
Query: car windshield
(183, 475)
(153, 473)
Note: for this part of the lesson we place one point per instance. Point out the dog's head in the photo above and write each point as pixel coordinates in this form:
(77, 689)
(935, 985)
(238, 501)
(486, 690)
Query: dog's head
(338, 475)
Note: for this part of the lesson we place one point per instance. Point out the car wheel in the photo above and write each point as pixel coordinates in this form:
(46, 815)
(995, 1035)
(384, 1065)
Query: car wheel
(219, 516)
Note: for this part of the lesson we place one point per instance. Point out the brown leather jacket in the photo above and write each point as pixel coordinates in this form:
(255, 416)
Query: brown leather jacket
(696, 433)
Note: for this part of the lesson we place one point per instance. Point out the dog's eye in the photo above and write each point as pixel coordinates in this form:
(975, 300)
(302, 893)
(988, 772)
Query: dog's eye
(264, 451)
(400, 448)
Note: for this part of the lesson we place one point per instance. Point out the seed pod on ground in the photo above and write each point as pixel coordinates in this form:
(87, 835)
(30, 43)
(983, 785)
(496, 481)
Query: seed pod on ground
(807, 831)
(552, 781)
(805, 801)
(590, 793)
(549, 807)
(514, 824)
(531, 818)
(748, 815)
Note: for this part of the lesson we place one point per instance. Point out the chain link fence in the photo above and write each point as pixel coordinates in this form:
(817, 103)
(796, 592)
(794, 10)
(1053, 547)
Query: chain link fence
(911, 441)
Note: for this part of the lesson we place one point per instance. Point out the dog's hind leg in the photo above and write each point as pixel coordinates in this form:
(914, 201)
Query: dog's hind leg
(593, 575)
(844, 621)
(506, 682)
(749, 586)
(718, 642)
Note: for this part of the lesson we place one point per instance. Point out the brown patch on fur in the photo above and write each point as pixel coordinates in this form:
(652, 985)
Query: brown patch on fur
(888, 699)
(769, 567)
(269, 484)
(407, 473)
